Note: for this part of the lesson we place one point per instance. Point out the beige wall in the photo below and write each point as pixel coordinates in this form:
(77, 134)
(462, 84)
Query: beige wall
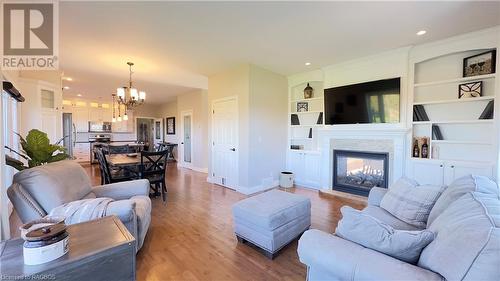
(170, 110)
(235, 82)
(262, 110)
(148, 110)
(196, 102)
(268, 126)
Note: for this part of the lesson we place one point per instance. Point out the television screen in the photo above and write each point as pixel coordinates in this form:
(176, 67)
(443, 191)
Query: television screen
(370, 102)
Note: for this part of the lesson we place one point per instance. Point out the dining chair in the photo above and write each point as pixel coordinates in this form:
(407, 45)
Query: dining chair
(119, 149)
(160, 147)
(109, 175)
(153, 168)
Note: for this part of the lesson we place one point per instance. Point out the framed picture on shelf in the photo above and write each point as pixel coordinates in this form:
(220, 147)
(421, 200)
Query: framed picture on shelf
(170, 121)
(480, 64)
(302, 106)
(470, 90)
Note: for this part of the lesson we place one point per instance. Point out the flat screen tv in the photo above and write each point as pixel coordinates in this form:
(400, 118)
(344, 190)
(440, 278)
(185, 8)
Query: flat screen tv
(370, 102)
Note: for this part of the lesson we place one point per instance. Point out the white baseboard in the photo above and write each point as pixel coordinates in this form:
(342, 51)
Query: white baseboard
(257, 188)
(201, 170)
(196, 169)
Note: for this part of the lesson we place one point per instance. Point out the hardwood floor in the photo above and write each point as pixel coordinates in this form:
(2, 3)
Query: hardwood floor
(191, 236)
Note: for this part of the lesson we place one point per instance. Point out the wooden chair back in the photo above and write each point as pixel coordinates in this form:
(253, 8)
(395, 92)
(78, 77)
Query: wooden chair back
(103, 166)
(154, 165)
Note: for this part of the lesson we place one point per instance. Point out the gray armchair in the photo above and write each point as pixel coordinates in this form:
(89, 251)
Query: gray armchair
(36, 191)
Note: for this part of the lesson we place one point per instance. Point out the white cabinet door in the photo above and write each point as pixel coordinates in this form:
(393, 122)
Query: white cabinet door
(81, 152)
(81, 119)
(305, 167)
(455, 170)
(297, 166)
(428, 172)
(311, 170)
(95, 114)
(49, 124)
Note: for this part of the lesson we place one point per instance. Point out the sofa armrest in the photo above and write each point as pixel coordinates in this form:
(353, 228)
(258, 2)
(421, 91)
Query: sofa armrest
(122, 190)
(123, 209)
(375, 196)
(345, 260)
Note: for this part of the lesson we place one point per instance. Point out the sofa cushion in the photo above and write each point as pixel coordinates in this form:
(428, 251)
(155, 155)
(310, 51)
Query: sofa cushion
(272, 209)
(365, 230)
(457, 189)
(54, 184)
(411, 202)
(467, 243)
(386, 217)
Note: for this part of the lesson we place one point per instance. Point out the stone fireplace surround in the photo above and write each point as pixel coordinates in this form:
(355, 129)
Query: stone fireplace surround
(391, 141)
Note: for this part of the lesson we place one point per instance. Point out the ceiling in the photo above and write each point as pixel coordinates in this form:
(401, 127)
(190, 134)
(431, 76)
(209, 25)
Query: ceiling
(177, 45)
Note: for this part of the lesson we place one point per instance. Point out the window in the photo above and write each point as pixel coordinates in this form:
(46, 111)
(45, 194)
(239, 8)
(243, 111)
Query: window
(10, 126)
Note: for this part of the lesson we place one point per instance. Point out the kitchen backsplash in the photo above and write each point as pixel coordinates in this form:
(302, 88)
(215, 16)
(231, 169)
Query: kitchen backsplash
(84, 137)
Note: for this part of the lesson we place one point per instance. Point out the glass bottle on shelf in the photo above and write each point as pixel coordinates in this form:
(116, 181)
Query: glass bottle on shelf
(425, 148)
(416, 149)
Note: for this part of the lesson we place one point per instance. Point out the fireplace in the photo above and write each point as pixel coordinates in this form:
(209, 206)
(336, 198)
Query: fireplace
(357, 172)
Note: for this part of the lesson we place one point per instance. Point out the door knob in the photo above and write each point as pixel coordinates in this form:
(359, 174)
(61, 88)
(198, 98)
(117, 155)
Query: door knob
(233, 149)
(182, 142)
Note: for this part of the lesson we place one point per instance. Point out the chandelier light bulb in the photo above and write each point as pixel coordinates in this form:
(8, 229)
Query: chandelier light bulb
(113, 120)
(125, 117)
(119, 119)
(133, 94)
(142, 95)
(120, 92)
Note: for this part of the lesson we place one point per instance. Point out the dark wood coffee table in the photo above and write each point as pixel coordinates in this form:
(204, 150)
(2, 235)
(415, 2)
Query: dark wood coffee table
(101, 249)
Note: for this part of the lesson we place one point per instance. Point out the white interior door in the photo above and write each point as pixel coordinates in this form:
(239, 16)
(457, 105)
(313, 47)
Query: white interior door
(225, 142)
(186, 144)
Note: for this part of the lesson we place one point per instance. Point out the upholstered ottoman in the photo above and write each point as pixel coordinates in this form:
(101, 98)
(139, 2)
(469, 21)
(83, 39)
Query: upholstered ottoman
(271, 219)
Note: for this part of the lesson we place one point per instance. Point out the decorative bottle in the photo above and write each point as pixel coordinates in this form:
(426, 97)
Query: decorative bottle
(416, 150)
(425, 149)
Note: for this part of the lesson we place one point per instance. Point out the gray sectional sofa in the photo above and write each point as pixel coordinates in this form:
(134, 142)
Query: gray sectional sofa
(36, 191)
(465, 220)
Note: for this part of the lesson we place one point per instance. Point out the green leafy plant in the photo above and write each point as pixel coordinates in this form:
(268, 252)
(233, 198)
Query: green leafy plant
(37, 150)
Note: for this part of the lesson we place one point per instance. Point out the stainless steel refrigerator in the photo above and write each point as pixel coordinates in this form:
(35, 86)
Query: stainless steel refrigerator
(69, 133)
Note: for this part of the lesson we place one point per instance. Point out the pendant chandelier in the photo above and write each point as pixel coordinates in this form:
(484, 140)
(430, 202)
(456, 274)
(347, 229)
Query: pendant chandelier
(127, 98)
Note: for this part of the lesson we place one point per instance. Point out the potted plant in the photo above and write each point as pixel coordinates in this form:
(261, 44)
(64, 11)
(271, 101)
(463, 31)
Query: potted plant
(36, 150)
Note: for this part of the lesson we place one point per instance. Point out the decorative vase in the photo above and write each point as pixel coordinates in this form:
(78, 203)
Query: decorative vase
(308, 92)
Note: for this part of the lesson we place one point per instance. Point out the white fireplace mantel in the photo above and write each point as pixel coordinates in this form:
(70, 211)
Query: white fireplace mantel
(369, 135)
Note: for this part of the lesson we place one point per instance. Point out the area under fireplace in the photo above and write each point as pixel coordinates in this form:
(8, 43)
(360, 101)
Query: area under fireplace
(356, 172)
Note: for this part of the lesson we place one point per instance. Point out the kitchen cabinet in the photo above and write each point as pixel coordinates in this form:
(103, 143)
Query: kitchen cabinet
(444, 172)
(81, 118)
(306, 168)
(124, 126)
(98, 114)
(81, 152)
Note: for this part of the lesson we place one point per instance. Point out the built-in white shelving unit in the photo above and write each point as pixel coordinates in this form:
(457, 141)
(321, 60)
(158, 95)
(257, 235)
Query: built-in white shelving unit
(303, 134)
(467, 144)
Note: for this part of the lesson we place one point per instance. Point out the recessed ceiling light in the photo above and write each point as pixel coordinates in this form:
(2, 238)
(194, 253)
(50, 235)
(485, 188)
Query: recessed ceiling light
(68, 78)
(79, 95)
(421, 32)
(307, 63)
(66, 87)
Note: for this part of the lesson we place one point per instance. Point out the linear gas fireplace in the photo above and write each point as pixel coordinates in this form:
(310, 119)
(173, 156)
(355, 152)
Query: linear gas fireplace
(357, 172)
